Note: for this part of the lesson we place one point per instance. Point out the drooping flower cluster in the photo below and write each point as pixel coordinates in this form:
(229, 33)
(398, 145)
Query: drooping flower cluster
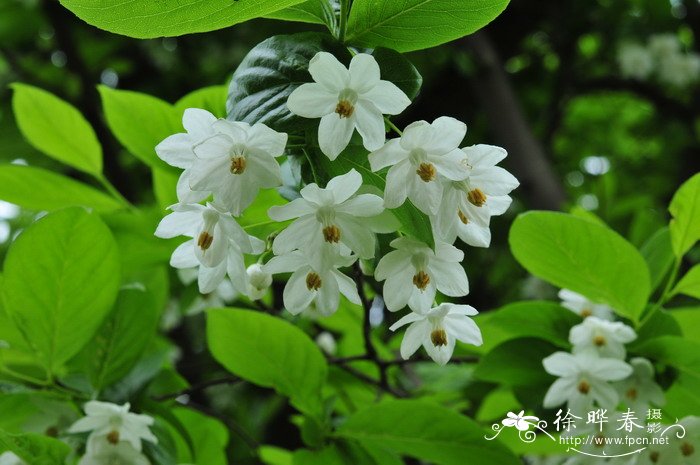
(662, 58)
(332, 227)
(595, 373)
(116, 434)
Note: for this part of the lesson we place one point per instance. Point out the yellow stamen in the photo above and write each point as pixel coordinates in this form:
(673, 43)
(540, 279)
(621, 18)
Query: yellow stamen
(313, 281)
(238, 165)
(113, 438)
(204, 241)
(462, 217)
(421, 280)
(584, 387)
(345, 109)
(426, 171)
(438, 337)
(331, 234)
(476, 197)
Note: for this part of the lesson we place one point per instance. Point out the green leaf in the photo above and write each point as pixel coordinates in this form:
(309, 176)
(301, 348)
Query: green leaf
(690, 283)
(688, 319)
(146, 19)
(164, 187)
(685, 209)
(426, 432)
(34, 448)
(311, 11)
(123, 337)
(516, 363)
(271, 455)
(212, 99)
(208, 435)
(399, 70)
(658, 254)
(56, 128)
(413, 221)
(140, 122)
(269, 74)
(40, 189)
(583, 256)
(417, 24)
(61, 279)
(269, 352)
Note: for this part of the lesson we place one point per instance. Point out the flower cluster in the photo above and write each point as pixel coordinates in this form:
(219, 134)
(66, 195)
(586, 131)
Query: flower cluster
(459, 189)
(663, 58)
(116, 434)
(595, 373)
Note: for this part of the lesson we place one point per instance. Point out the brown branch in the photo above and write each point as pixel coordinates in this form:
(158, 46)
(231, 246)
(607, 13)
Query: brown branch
(228, 380)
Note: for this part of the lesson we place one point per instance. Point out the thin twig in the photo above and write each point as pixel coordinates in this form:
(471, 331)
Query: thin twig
(229, 380)
(368, 379)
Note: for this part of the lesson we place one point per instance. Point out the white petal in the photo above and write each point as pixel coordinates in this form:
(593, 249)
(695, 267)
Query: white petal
(609, 369)
(296, 295)
(391, 263)
(209, 175)
(235, 267)
(407, 319)
(329, 72)
(559, 392)
(416, 135)
(364, 72)
(450, 277)
(441, 355)
(414, 336)
(334, 134)
(347, 287)
(176, 150)
(370, 124)
(356, 236)
(262, 171)
(494, 181)
(328, 295)
(343, 187)
(363, 205)
(498, 204)
(216, 253)
(390, 154)
(450, 165)
(266, 139)
(210, 278)
(604, 394)
(312, 101)
(179, 224)
(215, 146)
(183, 256)
(464, 329)
(397, 289)
(474, 234)
(426, 196)
(421, 301)
(461, 310)
(388, 98)
(237, 131)
(484, 156)
(285, 263)
(294, 209)
(396, 189)
(446, 135)
(297, 235)
(560, 364)
(185, 194)
(198, 122)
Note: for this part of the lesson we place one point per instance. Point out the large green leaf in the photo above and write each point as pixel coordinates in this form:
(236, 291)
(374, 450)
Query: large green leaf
(140, 122)
(583, 256)
(40, 189)
(269, 352)
(413, 221)
(212, 99)
(56, 128)
(658, 254)
(33, 448)
(209, 437)
(270, 72)
(147, 18)
(425, 431)
(61, 278)
(690, 283)
(685, 208)
(311, 11)
(407, 25)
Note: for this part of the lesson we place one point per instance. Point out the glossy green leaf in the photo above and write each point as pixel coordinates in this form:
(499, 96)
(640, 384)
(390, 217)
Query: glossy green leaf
(61, 279)
(407, 25)
(689, 284)
(40, 189)
(140, 122)
(583, 256)
(425, 431)
(145, 19)
(56, 128)
(269, 352)
(658, 254)
(311, 11)
(33, 448)
(270, 72)
(685, 208)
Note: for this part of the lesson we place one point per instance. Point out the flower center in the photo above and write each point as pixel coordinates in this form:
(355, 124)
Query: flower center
(584, 387)
(631, 394)
(204, 241)
(476, 197)
(586, 312)
(238, 165)
(426, 171)
(331, 234)
(599, 341)
(313, 281)
(654, 456)
(421, 280)
(462, 217)
(438, 337)
(687, 449)
(345, 109)
(113, 437)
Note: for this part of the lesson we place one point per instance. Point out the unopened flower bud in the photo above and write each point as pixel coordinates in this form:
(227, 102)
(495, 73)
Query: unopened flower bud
(258, 281)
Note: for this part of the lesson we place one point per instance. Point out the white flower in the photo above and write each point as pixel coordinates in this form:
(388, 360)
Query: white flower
(326, 342)
(424, 152)
(9, 458)
(346, 99)
(218, 248)
(520, 421)
(309, 284)
(663, 45)
(116, 423)
(329, 216)
(236, 162)
(583, 380)
(413, 273)
(684, 450)
(177, 150)
(601, 337)
(584, 307)
(437, 330)
(224, 293)
(640, 390)
(468, 204)
(258, 281)
(679, 70)
(105, 453)
(635, 61)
